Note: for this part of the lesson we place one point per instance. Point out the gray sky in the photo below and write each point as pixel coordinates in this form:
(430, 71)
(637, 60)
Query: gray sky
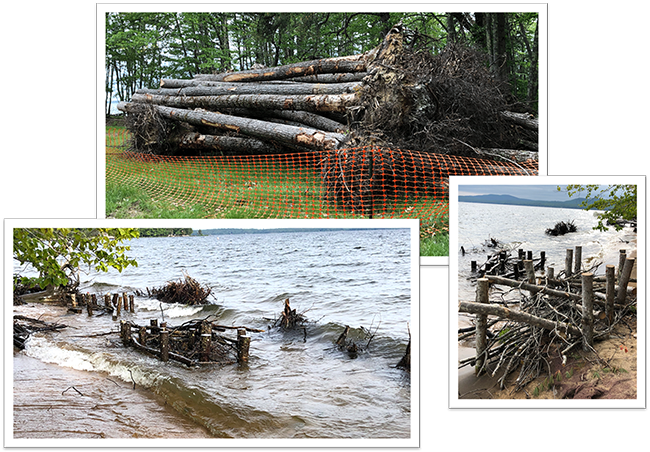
(536, 192)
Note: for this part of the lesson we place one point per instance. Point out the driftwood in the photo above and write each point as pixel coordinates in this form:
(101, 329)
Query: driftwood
(185, 291)
(25, 326)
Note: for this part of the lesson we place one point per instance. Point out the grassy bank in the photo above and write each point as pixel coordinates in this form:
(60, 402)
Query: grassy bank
(240, 188)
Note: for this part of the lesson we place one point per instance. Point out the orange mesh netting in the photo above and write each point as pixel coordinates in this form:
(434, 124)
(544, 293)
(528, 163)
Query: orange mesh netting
(357, 182)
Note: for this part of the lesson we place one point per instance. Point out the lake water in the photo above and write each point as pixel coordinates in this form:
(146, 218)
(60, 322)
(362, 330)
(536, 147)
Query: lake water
(523, 227)
(297, 385)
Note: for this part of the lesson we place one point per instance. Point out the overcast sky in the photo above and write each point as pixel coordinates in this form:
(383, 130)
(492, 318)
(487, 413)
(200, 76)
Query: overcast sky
(536, 192)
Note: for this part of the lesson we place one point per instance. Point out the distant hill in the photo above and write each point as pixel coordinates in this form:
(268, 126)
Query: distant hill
(513, 200)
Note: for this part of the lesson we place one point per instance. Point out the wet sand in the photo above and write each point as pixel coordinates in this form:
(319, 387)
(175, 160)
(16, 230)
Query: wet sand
(51, 401)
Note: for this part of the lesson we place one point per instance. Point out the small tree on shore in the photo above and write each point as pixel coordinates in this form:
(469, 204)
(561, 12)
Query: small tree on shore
(616, 201)
(57, 254)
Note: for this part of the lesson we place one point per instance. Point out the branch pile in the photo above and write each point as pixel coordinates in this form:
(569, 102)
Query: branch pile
(543, 327)
(185, 291)
(562, 228)
(392, 96)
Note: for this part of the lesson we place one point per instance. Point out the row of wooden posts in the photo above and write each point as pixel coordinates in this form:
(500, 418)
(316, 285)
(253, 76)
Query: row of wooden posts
(526, 264)
(614, 296)
(115, 303)
(164, 352)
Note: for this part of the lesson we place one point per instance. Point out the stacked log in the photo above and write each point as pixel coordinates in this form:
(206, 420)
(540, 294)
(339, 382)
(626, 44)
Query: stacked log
(378, 97)
(298, 106)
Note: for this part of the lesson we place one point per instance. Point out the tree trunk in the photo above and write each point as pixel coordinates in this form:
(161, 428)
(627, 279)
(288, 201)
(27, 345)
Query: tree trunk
(324, 102)
(289, 135)
(522, 119)
(354, 63)
(195, 140)
(224, 88)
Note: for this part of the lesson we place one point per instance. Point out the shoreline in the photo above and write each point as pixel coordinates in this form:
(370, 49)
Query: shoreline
(87, 405)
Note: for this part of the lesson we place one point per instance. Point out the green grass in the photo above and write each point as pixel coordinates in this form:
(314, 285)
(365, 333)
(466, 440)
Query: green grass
(239, 188)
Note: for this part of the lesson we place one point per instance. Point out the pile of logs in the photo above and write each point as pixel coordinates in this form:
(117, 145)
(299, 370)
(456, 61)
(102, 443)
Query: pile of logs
(305, 106)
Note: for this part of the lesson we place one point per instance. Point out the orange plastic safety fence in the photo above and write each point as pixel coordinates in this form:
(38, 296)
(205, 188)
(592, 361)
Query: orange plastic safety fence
(358, 182)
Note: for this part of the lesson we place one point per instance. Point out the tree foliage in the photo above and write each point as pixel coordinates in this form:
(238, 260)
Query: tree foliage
(58, 254)
(142, 48)
(616, 201)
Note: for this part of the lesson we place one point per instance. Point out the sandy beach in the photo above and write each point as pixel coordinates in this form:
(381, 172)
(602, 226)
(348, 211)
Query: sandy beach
(52, 401)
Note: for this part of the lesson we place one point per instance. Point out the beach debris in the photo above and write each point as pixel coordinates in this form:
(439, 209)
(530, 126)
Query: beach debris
(289, 318)
(405, 362)
(198, 341)
(184, 291)
(562, 228)
(552, 320)
(25, 326)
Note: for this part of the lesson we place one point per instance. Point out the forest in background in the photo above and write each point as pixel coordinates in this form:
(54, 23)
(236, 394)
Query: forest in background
(143, 48)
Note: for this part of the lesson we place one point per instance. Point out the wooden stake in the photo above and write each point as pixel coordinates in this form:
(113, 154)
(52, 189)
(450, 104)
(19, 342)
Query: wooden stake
(610, 291)
(481, 325)
(578, 259)
(622, 256)
(568, 262)
(164, 345)
(131, 304)
(588, 310)
(143, 335)
(625, 279)
(243, 346)
(125, 332)
(530, 271)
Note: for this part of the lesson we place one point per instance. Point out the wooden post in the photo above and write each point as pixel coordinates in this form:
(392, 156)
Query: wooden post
(243, 346)
(588, 310)
(610, 291)
(481, 325)
(164, 345)
(577, 259)
(521, 254)
(125, 298)
(551, 273)
(502, 263)
(622, 256)
(115, 296)
(131, 304)
(119, 305)
(89, 307)
(542, 259)
(530, 271)
(153, 323)
(516, 270)
(206, 340)
(143, 335)
(624, 280)
(529, 255)
(73, 300)
(125, 332)
(568, 262)
(107, 300)
(473, 266)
